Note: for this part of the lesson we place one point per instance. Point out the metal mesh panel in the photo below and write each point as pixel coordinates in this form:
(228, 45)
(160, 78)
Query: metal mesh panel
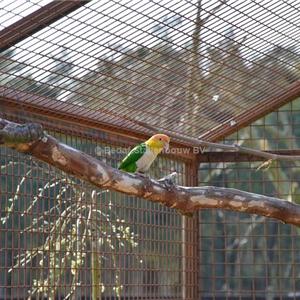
(11, 13)
(54, 234)
(249, 256)
(159, 61)
(199, 70)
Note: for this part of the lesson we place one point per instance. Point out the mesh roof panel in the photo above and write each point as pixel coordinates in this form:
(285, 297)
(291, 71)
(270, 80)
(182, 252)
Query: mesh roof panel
(10, 11)
(173, 64)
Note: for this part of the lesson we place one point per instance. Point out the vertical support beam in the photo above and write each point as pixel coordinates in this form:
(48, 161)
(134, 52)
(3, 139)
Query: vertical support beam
(190, 244)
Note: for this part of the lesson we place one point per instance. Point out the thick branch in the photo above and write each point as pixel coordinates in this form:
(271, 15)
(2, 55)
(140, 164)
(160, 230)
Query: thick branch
(185, 199)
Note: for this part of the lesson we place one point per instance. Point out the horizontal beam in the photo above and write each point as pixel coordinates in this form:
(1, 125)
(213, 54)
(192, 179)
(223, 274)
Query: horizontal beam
(261, 109)
(78, 115)
(36, 21)
(215, 156)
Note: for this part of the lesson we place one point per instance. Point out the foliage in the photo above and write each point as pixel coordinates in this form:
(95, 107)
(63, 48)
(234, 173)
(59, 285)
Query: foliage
(52, 212)
(237, 241)
(72, 233)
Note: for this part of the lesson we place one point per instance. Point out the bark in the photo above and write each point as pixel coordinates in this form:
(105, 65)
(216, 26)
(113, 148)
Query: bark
(225, 147)
(30, 139)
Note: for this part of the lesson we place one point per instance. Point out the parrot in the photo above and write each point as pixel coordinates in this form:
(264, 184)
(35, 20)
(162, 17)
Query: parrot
(140, 158)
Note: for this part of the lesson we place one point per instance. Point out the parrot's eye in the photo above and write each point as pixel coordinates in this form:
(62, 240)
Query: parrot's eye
(160, 139)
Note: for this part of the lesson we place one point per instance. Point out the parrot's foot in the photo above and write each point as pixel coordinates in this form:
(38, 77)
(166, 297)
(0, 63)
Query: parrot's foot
(142, 175)
(169, 180)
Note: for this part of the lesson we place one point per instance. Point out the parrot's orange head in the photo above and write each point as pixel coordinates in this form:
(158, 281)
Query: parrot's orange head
(159, 142)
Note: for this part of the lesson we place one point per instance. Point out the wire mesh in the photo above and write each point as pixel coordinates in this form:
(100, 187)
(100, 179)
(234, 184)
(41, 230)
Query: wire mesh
(58, 238)
(167, 64)
(11, 13)
(186, 68)
(249, 256)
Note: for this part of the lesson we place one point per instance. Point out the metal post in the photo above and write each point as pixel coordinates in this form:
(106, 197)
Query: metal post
(190, 243)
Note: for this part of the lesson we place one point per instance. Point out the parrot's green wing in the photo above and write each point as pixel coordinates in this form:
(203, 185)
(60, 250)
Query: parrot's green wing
(129, 162)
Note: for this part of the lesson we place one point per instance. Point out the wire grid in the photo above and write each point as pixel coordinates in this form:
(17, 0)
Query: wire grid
(135, 60)
(141, 60)
(51, 221)
(11, 13)
(249, 256)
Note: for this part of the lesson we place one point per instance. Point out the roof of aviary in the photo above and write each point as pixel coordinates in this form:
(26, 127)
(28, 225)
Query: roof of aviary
(195, 68)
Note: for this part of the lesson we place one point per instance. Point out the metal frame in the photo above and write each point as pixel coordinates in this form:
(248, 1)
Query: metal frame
(258, 111)
(36, 21)
(190, 249)
(16, 100)
(215, 157)
(100, 120)
(95, 119)
(130, 130)
(55, 10)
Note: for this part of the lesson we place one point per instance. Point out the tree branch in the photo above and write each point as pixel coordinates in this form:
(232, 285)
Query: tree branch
(185, 199)
(225, 147)
(193, 71)
(214, 11)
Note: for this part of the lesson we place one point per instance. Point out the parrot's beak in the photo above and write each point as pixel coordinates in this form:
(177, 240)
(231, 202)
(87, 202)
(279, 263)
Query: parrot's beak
(166, 146)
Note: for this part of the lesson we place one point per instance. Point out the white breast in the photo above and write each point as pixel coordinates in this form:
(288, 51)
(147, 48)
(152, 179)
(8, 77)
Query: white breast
(144, 163)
